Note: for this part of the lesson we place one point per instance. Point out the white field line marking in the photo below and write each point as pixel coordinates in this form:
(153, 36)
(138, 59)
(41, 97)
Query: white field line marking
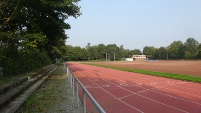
(141, 95)
(112, 95)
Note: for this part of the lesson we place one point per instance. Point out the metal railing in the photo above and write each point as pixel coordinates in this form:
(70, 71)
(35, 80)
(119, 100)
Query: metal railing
(75, 83)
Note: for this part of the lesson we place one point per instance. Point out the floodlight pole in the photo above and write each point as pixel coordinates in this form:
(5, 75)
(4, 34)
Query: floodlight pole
(114, 56)
(106, 56)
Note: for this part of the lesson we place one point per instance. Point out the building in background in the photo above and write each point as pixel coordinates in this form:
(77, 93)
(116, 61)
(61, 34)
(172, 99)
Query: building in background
(139, 57)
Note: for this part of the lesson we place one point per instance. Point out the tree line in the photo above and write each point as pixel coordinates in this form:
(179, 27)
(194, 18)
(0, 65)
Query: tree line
(191, 49)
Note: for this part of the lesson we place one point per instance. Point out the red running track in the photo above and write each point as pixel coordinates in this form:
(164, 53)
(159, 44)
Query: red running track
(125, 92)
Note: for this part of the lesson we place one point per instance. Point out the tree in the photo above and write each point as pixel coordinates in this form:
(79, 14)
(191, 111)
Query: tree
(199, 52)
(93, 52)
(135, 52)
(111, 50)
(191, 48)
(101, 51)
(39, 16)
(149, 51)
(176, 50)
(121, 52)
(161, 53)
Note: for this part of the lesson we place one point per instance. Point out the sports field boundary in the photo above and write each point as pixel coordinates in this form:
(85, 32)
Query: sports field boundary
(160, 74)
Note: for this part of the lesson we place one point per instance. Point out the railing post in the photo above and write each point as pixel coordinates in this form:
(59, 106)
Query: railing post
(67, 71)
(71, 76)
(84, 101)
(73, 86)
(77, 95)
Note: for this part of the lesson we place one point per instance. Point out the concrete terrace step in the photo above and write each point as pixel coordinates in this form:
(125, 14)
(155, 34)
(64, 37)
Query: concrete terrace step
(5, 88)
(8, 97)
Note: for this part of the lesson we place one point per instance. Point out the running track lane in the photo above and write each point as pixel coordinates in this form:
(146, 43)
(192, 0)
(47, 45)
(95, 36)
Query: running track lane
(125, 92)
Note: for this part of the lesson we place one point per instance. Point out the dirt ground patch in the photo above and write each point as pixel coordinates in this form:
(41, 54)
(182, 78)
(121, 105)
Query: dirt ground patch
(180, 67)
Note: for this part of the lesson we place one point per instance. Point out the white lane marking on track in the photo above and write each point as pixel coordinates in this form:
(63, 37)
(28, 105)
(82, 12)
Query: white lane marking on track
(176, 97)
(113, 95)
(127, 96)
(144, 96)
(106, 85)
(87, 86)
(169, 82)
(172, 82)
(126, 84)
(180, 91)
(186, 87)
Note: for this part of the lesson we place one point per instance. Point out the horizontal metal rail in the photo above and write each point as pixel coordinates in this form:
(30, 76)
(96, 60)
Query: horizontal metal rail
(72, 78)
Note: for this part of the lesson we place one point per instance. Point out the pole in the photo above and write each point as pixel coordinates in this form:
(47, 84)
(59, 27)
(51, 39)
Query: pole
(114, 56)
(167, 54)
(106, 56)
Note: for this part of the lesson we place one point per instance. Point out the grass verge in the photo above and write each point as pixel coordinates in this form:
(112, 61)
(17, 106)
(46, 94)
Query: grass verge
(161, 74)
(47, 95)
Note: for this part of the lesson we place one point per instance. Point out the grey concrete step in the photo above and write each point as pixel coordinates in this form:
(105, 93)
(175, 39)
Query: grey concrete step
(5, 88)
(7, 97)
(13, 106)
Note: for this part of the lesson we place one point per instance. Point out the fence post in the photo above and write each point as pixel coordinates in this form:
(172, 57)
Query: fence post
(84, 101)
(77, 95)
(73, 86)
(71, 80)
(67, 71)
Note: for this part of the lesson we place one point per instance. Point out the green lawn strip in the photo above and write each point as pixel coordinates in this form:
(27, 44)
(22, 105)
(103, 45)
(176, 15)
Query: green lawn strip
(161, 74)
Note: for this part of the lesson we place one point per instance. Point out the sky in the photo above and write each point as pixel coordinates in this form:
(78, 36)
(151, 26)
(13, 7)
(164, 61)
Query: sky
(135, 23)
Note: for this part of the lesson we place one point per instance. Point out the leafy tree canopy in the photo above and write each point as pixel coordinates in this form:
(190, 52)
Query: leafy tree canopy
(45, 17)
(191, 48)
(176, 50)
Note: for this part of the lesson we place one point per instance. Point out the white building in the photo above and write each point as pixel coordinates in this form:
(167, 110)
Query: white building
(129, 59)
(139, 57)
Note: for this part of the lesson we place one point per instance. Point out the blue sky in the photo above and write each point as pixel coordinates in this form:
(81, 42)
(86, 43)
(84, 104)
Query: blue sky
(135, 23)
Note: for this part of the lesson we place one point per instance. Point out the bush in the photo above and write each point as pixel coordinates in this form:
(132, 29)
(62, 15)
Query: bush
(23, 61)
